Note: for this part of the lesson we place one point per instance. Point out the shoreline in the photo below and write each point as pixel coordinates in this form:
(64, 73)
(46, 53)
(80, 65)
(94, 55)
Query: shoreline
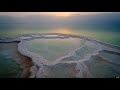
(24, 62)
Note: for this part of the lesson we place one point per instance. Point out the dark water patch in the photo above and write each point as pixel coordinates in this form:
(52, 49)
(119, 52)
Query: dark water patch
(112, 56)
(99, 68)
(12, 64)
(111, 52)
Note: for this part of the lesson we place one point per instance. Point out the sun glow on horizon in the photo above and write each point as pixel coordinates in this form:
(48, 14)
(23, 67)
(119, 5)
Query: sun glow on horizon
(63, 31)
(62, 14)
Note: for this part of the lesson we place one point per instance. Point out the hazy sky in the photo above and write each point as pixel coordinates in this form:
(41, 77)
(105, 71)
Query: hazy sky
(21, 14)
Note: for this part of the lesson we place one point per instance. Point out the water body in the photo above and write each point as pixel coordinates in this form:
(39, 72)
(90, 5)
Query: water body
(82, 52)
(52, 49)
(109, 35)
(12, 64)
(59, 70)
(102, 67)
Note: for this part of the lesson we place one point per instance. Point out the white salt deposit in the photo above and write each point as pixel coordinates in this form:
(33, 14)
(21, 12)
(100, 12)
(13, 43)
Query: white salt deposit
(39, 69)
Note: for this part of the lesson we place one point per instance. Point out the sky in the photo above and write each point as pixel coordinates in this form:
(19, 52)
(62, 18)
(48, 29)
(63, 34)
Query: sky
(63, 14)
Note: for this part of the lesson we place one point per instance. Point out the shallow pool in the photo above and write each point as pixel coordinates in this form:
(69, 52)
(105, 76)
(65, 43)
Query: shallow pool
(60, 71)
(52, 49)
(101, 67)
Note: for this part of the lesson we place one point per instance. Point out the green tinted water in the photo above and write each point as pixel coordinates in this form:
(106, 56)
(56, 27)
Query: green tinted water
(8, 65)
(51, 49)
(11, 62)
(103, 35)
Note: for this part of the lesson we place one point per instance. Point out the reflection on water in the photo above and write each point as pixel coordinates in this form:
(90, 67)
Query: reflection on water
(103, 35)
(51, 49)
(64, 31)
